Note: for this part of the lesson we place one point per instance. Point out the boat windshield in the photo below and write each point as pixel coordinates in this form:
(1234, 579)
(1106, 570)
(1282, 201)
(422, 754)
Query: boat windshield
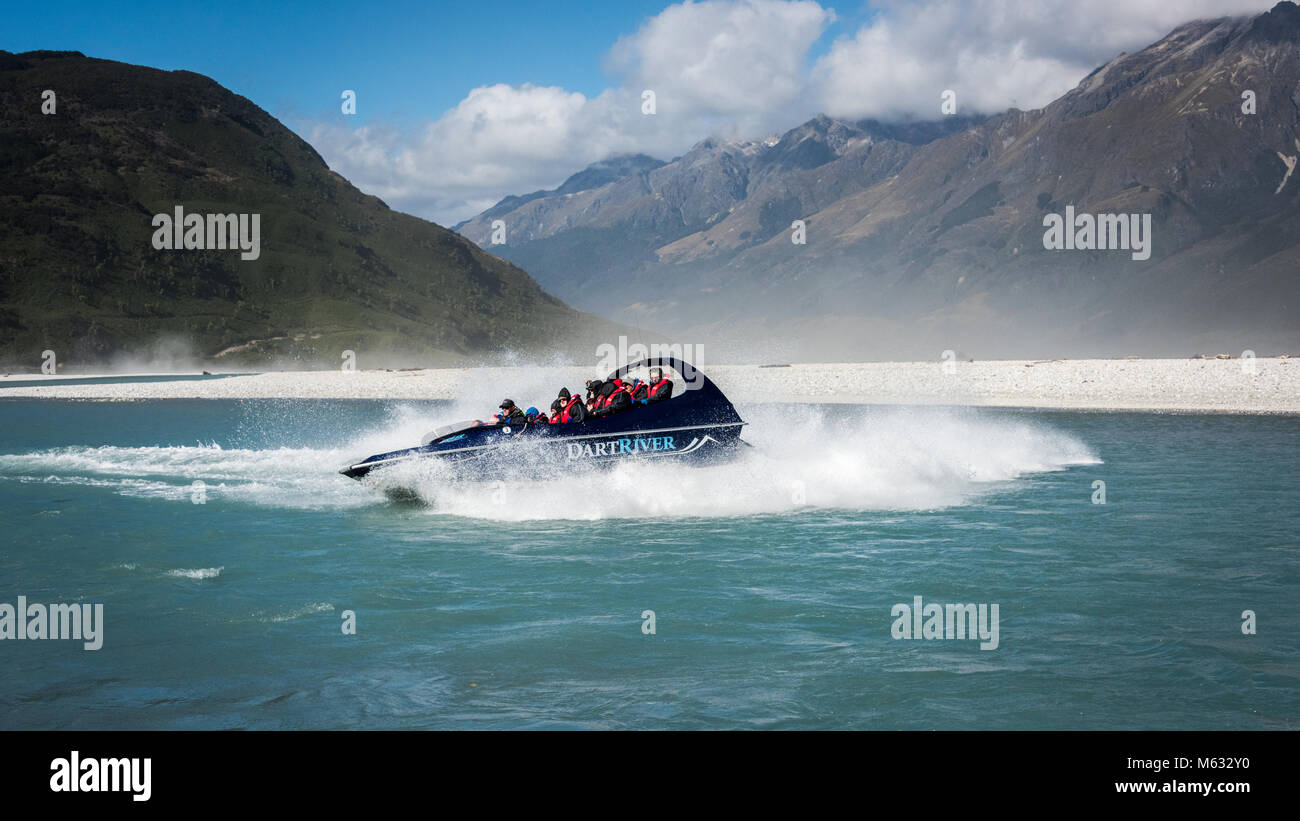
(439, 432)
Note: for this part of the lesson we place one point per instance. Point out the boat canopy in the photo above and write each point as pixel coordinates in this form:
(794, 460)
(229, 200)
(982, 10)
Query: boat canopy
(698, 397)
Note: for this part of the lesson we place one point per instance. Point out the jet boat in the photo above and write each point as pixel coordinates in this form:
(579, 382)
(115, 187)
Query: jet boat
(697, 424)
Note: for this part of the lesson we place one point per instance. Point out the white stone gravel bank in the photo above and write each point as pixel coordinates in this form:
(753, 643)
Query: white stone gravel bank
(1146, 384)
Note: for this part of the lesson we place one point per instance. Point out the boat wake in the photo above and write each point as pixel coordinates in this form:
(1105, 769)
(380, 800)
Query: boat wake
(803, 458)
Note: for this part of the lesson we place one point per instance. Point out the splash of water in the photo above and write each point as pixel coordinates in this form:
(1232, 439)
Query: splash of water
(803, 458)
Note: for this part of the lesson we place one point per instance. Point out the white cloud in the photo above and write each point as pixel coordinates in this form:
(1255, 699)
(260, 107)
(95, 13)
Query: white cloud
(723, 58)
(500, 139)
(993, 53)
(718, 68)
(739, 68)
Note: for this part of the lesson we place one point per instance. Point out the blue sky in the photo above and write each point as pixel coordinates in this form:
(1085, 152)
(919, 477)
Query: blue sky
(408, 61)
(460, 104)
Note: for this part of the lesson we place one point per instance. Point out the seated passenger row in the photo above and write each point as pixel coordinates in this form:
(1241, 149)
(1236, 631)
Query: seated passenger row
(603, 398)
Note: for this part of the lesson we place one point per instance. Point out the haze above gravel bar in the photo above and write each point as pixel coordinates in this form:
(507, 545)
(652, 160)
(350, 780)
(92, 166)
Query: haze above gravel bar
(1223, 386)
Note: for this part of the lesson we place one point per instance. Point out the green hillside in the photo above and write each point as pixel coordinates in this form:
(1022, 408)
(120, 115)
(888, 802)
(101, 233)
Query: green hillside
(337, 270)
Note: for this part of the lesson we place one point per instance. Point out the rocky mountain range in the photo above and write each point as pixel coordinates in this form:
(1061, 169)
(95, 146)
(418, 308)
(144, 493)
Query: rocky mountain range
(927, 236)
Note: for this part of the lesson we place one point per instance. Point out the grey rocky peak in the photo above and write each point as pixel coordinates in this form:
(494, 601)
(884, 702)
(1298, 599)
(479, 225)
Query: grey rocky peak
(919, 232)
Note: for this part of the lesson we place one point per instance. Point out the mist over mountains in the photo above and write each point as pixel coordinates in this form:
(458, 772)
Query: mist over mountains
(928, 236)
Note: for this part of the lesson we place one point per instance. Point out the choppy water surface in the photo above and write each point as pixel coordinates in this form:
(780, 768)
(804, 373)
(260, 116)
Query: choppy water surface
(772, 579)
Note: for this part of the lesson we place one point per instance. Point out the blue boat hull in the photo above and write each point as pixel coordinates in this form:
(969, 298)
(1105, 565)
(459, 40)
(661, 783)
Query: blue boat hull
(698, 425)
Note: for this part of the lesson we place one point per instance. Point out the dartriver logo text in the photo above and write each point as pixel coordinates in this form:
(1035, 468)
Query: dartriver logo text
(953, 621)
(638, 445)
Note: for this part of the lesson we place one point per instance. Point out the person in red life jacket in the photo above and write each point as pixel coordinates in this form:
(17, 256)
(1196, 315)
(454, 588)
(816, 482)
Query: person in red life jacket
(593, 395)
(614, 398)
(637, 390)
(659, 388)
(557, 408)
(572, 409)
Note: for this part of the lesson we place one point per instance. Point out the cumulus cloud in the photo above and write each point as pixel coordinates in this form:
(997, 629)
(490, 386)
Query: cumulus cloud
(718, 68)
(738, 59)
(993, 53)
(498, 138)
(741, 68)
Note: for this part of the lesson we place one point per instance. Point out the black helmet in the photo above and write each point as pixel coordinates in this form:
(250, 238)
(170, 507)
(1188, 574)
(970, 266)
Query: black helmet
(507, 403)
(565, 395)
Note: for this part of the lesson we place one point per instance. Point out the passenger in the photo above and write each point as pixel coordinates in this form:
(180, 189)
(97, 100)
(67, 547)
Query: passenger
(557, 409)
(659, 388)
(638, 390)
(572, 410)
(531, 415)
(595, 397)
(619, 384)
(614, 398)
(510, 415)
(621, 397)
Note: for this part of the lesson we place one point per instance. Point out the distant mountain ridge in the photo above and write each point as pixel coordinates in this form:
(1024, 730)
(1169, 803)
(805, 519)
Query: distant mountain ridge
(338, 270)
(595, 175)
(668, 201)
(930, 236)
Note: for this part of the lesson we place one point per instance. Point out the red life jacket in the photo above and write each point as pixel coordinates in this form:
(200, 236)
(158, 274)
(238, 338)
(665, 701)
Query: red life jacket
(602, 402)
(658, 386)
(609, 400)
(564, 414)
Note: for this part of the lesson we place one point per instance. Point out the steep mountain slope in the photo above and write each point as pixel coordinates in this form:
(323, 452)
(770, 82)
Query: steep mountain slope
(918, 246)
(596, 247)
(337, 268)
